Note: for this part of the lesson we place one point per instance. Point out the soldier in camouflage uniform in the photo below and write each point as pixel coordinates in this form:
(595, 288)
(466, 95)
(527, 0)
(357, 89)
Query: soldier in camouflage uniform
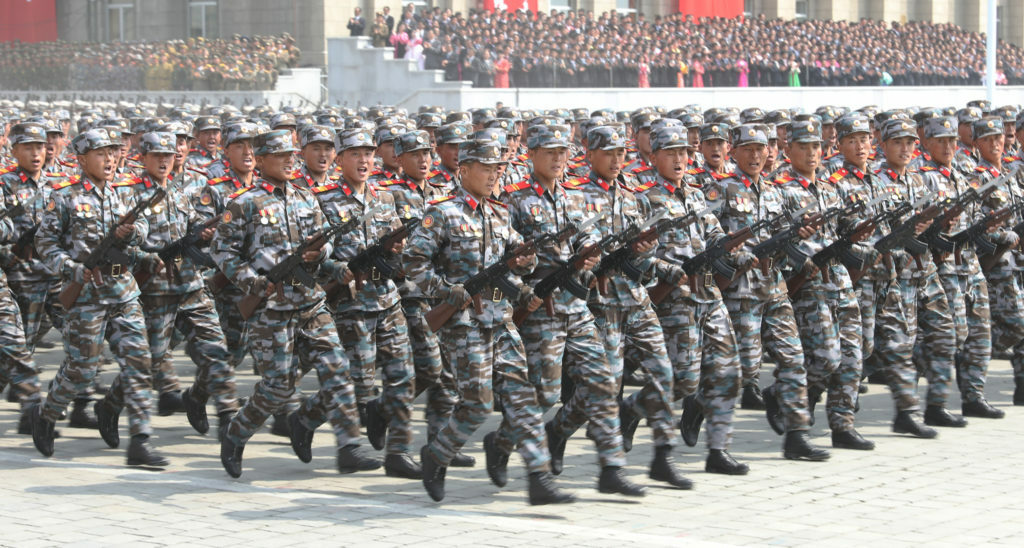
(641, 122)
(966, 159)
(389, 167)
(1004, 282)
(825, 308)
(410, 193)
(370, 322)
(208, 140)
(698, 332)
(448, 138)
(539, 206)
(173, 296)
(79, 213)
(515, 169)
(460, 235)
(261, 226)
(16, 365)
(959, 272)
(761, 312)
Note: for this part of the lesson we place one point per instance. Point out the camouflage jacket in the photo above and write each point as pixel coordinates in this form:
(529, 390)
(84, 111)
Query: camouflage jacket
(799, 192)
(33, 195)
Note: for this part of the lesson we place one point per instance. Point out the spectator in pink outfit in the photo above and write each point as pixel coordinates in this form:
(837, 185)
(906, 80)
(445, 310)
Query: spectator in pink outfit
(743, 69)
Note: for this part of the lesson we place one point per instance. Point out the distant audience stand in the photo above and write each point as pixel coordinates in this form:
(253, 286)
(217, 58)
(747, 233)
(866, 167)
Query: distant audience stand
(579, 49)
(237, 64)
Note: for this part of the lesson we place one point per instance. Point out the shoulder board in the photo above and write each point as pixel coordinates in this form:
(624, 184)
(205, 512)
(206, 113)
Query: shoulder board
(196, 169)
(437, 172)
(641, 169)
(239, 192)
(334, 177)
(218, 180)
(387, 182)
(838, 175)
(515, 187)
(73, 180)
(783, 179)
(295, 174)
(496, 202)
(719, 176)
(56, 174)
(128, 181)
(301, 185)
(927, 168)
(523, 157)
(833, 155)
(439, 200)
(696, 171)
(877, 171)
(8, 169)
(980, 169)
(324, 188)
(646, 186)
(575, 183)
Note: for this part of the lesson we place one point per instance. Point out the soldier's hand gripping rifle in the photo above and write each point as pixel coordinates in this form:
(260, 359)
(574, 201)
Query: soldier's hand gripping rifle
(188, 246)
(108, 251)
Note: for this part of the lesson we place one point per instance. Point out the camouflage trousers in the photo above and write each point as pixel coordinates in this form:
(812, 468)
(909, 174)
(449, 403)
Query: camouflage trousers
(705, 361)
(308, 334)
(16, 365)
(935, 346)
(40, 308)
(968, 299)
(475, 353)
(235, 328)
(867, 299)
(124, 327)
(433, 372)
(830, 333)
(380, 340)
(574, 341)
(769, 325)
(635, 331)
(191, 314)
(1006, 298)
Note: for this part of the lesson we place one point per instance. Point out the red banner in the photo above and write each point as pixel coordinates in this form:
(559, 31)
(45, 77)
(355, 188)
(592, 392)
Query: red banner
(28, 20)
(510, 5)
(711, 8)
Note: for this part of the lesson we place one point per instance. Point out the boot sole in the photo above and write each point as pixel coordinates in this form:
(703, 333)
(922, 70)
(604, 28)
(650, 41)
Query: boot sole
(915, 434)
(808, 458)
(853, 447)
(403, 474)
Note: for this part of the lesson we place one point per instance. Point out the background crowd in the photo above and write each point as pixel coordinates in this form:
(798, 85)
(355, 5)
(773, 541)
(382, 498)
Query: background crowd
(579, 49)
(197, 64)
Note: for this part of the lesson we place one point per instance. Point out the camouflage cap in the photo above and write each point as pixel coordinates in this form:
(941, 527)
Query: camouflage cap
(605, 138)
(828, 114)
(94, 139)
(52, 126)
(642, 119)
(485, 151)
(714, 131)
(178, 128)
(428, 120)
(603, 112)
(807, 130)
(669, 137)
(750, 133)
(923, 114)
(968, 115)
(357, 122)
(594, 121)
(544, 121)
(327, 120)
(283, 119)
(458, 116)
(989, 125)
(779, 117)
(752, 115)
(773, 134)
(940, 126)
(355, 137)
(553, 136)
(120, 124)
(506, 124)
(713, 113)
(435, 109)
(84, 123)
(240, 131)
(493, 133)
(482, 115)
(896, 128)
(316, 134)
(562, 114)
(273, 142)
(27, 132)
(204, 123)
(451, 134)
(852, 124)
(412, 141)
(388, 133)
(580, 114)
(983, 104)
(892, 114)
(1008, 113)
(692, 121)
(666, 122)
(157, 142)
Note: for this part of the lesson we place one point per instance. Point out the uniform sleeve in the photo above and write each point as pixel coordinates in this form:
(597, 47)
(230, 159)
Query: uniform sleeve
(229, 244)
(55, 222)
(421, 251)
(515, 239)
(206, 202)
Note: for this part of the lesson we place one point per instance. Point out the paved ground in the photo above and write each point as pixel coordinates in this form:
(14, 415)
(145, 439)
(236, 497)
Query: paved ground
(963, 488)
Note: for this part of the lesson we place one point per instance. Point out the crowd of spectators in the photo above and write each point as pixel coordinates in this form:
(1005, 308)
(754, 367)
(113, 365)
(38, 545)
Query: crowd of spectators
(196, 64)
(581, 49)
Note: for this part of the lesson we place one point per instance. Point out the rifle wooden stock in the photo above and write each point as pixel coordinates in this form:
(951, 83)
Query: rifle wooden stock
(248, 304)
(218, 282)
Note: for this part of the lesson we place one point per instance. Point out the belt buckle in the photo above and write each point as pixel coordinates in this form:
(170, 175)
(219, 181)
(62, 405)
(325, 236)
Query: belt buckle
(178, 259)
(769, 263)
(295, 282)
(709, 279)
(375, 274)
(496, 295)
(115, 270)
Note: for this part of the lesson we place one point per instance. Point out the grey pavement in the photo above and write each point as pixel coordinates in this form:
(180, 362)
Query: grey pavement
(963, 488)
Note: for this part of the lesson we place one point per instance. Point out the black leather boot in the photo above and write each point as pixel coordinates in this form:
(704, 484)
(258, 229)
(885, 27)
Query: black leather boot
(798, 447)
(141, 453)
(433, 475)
(613, 480)
(851, 439)
(906, 423)
(169, 403)
(936, 415)
(107, 417)
(544, 491)
(195, 410)
(752, 398)
(719, 461)
(981, 408)
(689, 423)
(663, 469)
(772, 410)
(556, 445)
(497, 461)
(353, 458)
(301, 438)
(80, 416)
